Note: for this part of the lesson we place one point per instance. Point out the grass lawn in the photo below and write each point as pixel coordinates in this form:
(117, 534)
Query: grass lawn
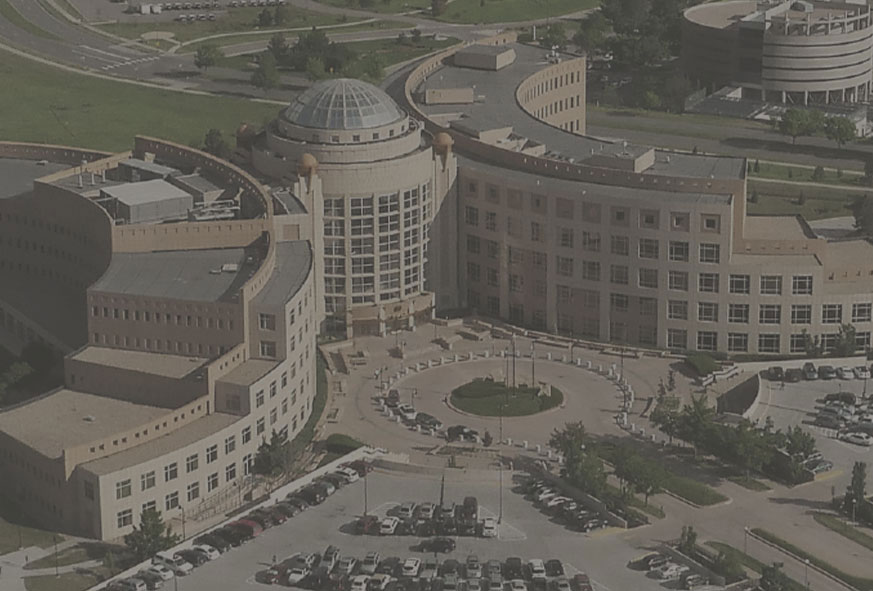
(13, 525)
(10, 13)
(636, 503)
(391, 52)
(751, 563)
(800, 174)
(784, 199)
(691, 490)
(191, 46)
(82, 552)
(860, 583)
(68, 581)
(504, 11)
(386, 6)
(105, 114)
(836, 524)
(749, 483)
(487, 398)
(232, 20)
(685, 125)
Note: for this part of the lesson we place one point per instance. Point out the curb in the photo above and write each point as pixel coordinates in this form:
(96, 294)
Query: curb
(811, 565)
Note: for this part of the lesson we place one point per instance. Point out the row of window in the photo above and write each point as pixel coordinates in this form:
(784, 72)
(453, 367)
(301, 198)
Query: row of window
(41, 224)
(366, 206)
(595, 213)
(187, 320)
(769, 313)
(739, 342)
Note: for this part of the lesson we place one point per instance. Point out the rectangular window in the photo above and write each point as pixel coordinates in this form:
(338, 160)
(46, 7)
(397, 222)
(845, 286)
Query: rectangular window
(492, 249)
(259, 399)
(771, 285)
(473, 246)
(710, 253)
(861, 312)
(648, 307)
(591, 241)
(862, 340)
(769, 313)
(738, 313)
(738, 342)
(123, 489)
(566, 237)
(677, 280)
(267, 321)
(801, 285)
(564, 294)
(677, 338)
(471, 216)
(677, 310)
(536, 232)
(707, 312)
(740, 284)
(832, 313)
(230, 444)
(618, 302)
(679, 251)
(708, 282)
(590, 270)
(171, 501)
(124, 518)
(565, 266)
(193, 491)
(211, 453)
(620, 245)
(768, 343)
(516, 282)
(268, 349)
(829, 341)
(230, 473)
(260, 426)
(212, 482)
(274, 416)
(246, 435)
(797, 343)
(191, 463)
(648, 278)
(490, 221)
(649, 248)
(618, 274)
(474, 272)
(707, 340)
(171, 471)
(147, 480)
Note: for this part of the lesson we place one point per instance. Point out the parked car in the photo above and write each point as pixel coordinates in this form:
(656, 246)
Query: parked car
(861, 372)
(370, 562)
(251, 529)
(775, 373)
(494, 569)
(425, 511)
(325, 485)
(407, 510)
(349, 474)
(346, 565)
(841, 397)
(829, 421)
(537, 568)
(359, 583)
(858, 438)
(336, 480)
(393, 399)
(152, 580)
(378, 582)
(495, 583)
(330, 557)
(693, 580)
(845, 373)
(160, 570)
(517, 585)
(362, 467)
(133, 584)
(389, 566)
(214, 541)
(407, 412)
(489, 527)
(192, 556)
(428, 421)
(827, 372)
(411, 567)
(234, 537)
(653, 561)
(580, 582)
(429, 569)
(561, 584)
(554, 568)
(474, 585)
(472, 567)
(177, 564)
(514, 568)
(297, 573)
(809, 371)
(389, 526)
(793, 375)
(312, 495)
(287, 509)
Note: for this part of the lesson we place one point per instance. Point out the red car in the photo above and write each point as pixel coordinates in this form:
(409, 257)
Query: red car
(581, 582)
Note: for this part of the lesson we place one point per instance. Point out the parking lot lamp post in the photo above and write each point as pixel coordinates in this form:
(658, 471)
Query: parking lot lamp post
(182, 507)
(365, 492)
(533, 364)
(746, 540)
(55, 540)
(806, 572)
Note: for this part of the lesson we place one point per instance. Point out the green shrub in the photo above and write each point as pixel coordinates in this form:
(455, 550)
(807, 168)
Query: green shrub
(703, 363)
(693, 491)
(341, 444)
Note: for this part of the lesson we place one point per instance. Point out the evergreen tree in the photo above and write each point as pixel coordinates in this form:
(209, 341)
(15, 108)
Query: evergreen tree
(151, 537)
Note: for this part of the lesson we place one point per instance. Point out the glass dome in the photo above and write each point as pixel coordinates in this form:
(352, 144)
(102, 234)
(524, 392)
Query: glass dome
(343, 103)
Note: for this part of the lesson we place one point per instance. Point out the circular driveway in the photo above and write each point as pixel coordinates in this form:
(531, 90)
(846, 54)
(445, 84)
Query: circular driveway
(588, 397)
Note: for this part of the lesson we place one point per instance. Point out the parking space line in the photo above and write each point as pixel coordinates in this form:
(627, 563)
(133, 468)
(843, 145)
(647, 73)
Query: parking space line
(504, 529)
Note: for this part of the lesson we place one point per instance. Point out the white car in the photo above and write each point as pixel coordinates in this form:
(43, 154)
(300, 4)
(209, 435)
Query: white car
(546, 495)
(210, 552)
(537, 568)
(426, 511)
(378, 582)
(489, 527)
(857, 439)
(407, 412)
(297, 573)
(359, 583)
(161, 571)
(407, 510)
(388, 526)
(349, 474)
(517, 585)
(411, 567)
(555, 501)
(371, 561)
(861, 372)
(177, 564)
(845, 373)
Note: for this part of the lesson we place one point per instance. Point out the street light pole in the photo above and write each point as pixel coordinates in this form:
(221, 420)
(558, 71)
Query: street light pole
(806, 572)
(365, 493)
(533, 364)
(513, 363)
(746, 540)
(500, 489)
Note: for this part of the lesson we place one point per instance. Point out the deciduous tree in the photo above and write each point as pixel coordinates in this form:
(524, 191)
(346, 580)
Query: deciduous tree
(150, 537)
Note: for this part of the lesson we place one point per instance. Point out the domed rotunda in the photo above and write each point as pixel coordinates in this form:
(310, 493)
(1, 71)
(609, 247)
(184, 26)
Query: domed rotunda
(379, 189)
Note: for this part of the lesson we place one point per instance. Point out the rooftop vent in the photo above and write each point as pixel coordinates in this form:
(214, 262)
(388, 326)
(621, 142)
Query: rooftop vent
(89, 419)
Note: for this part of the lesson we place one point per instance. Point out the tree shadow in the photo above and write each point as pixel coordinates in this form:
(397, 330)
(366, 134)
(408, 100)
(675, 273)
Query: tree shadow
(801, 502)
(803, 149)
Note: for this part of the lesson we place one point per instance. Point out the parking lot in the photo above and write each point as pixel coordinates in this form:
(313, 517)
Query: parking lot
(524, 532)
(799, 403)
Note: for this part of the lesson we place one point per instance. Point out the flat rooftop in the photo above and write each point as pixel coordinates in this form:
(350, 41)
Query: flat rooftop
(152, 167)
(496, 107)
(293, 262)
(178, 274)
(169, 443)
(550, 184)
(170, 366)
(721, 15)
(806, 261)
(17, 175)
(67, 418)
(776, 227)
(248, 372)
(143, 192)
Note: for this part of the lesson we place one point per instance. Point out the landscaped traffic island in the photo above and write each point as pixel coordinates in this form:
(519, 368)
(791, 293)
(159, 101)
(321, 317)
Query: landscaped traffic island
(492, 399)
